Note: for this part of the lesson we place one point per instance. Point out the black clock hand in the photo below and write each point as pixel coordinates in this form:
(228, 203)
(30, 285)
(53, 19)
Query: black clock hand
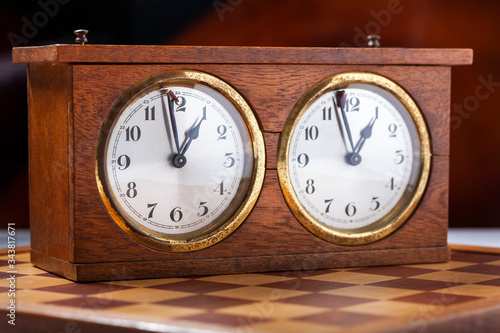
(178, 159)
(194, 132)
(340, 98)
(352, 158)
(366, 132)
(171, 98)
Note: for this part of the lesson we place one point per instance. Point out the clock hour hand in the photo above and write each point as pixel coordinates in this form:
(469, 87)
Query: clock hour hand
(366, 132)
(194, 132)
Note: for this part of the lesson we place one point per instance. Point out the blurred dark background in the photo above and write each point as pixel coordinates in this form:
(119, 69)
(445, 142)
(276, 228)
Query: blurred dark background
(475, 134)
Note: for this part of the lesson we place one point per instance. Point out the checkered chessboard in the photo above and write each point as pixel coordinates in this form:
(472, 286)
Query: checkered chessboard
(366, 299)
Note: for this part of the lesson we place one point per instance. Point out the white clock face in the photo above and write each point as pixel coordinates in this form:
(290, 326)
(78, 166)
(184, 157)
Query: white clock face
(178, 160)
(354, 158)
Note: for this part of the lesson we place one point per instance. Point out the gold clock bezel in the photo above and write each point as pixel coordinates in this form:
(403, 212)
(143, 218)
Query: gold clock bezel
(401, 212)
(223, 226)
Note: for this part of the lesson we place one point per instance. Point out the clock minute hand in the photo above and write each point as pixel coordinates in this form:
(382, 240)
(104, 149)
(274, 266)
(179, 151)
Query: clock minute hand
(171, 98)
(194, 132)
(341, 98)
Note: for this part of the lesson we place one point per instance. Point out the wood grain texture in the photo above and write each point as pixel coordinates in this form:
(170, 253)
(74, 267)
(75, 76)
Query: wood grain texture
(239, 55)
(74, 236)
(271, 229)
(474, 248)
(271, 90)
(50, 164)
(126, 270)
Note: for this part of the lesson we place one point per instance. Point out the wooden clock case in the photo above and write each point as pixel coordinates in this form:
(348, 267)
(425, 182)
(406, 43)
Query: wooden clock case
(71, 89)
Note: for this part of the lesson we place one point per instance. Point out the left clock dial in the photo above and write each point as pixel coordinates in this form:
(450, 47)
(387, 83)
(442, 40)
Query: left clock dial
(180, 161)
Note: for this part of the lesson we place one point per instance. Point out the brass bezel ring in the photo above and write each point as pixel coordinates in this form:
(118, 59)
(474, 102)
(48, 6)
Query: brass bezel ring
(399, 214)
(219, 229)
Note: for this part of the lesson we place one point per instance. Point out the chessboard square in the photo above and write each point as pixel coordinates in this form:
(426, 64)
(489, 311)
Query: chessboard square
(480, 269)
(351, 277)
(205, 302)
(473, 257)
(79, 289)
(4, 264)
(142, 295)
(154, 312)
(413, 284)
(257, 293)
(341, 318)
(36, 281)
(27, 268)
(307, 285)
(217, 318)
(19, 257)
(145, 282)
(397, 271)
(6, 269)
(5, 275)
(280, 326)
(373, 292)
(256, 311)
(388, 308)
(6, 260)
(195, 286)
(496, 262)
(245, 279)
(436, 299)
(475, 290)
(325, 301)
(37, 296)
(455, 277)
(443, 266)
(495, 282)
(84, 302)
(301, 274)
(21, 265)
(50, 275)
(23, 256)
(4, 297)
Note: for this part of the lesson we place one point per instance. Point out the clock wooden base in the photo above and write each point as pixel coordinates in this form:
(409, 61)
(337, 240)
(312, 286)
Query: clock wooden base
(238, 264)
(72, 88)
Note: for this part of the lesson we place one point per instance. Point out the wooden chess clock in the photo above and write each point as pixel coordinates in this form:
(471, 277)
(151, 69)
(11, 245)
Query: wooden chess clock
(165, 161)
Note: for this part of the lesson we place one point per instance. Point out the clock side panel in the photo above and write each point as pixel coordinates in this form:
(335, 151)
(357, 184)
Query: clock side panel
(271, 229)
(50, 165)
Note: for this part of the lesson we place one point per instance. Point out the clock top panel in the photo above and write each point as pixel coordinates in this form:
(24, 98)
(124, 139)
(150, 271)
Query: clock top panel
(66, 53)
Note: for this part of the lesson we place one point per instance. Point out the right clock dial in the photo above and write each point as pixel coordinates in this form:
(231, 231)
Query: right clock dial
(354, 158)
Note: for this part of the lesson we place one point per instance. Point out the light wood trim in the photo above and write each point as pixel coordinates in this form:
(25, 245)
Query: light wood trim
(239, 55)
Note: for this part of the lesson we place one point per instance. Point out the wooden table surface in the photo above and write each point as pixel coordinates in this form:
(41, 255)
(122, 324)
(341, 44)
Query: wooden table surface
(463, 294)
